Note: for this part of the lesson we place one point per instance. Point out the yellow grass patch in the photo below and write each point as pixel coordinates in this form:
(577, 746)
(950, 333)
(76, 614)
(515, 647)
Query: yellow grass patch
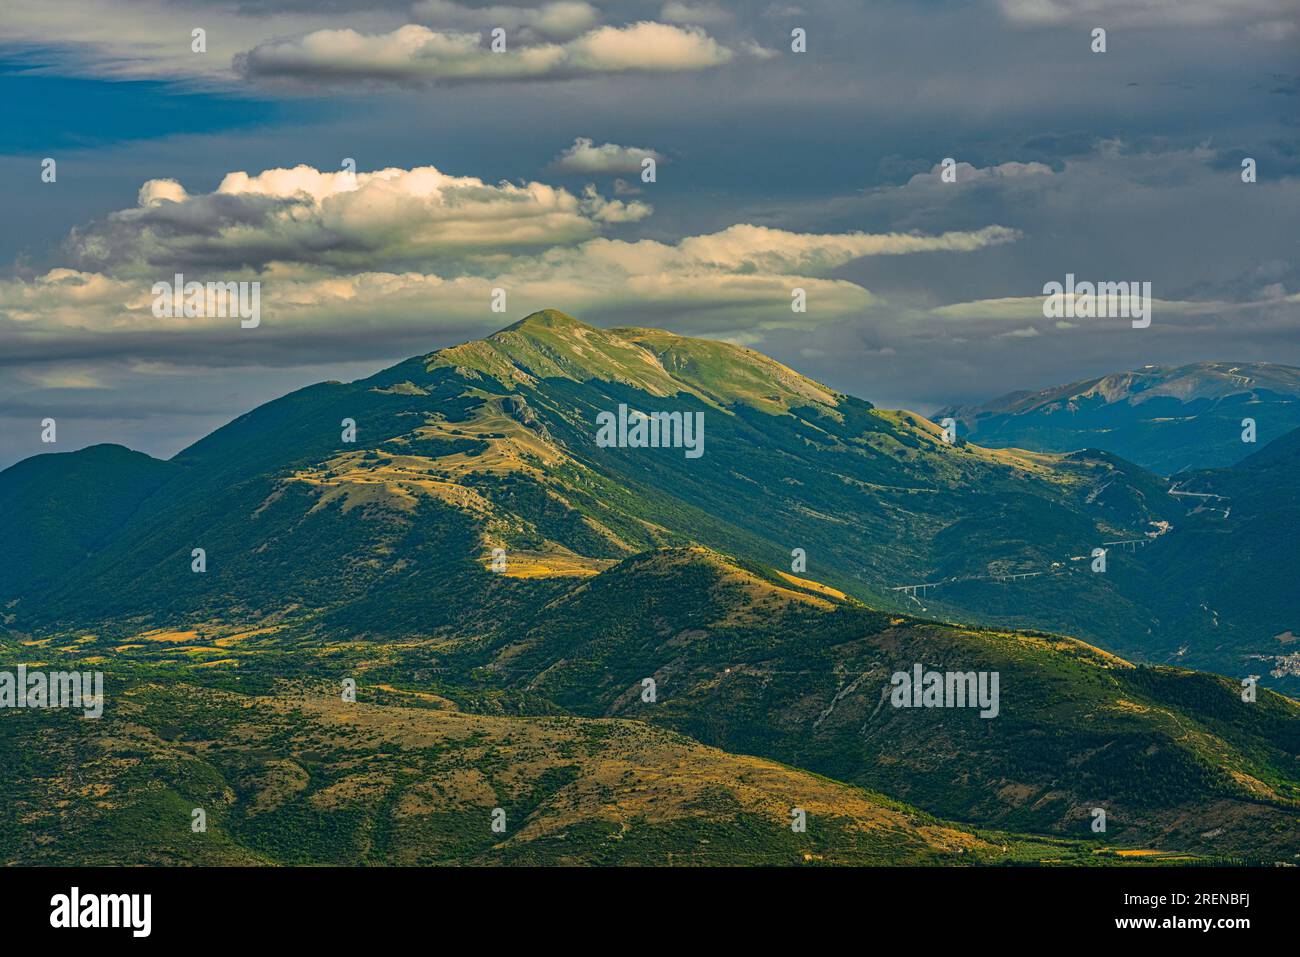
(178, 637)
(811, 585)
(233, 639)
(398, 483)
(1255, 786)
(559, 563)
(651, 775)
(510, 443)
(1123, 704)
(439, 700)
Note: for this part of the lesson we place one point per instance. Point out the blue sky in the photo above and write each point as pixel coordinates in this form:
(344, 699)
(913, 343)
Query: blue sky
(775, 169)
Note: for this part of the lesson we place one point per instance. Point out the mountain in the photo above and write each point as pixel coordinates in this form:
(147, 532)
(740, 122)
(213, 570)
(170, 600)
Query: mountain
(70, 504)
(493, 445)
(1226, 579)
(1165, 418)
(771, 693)
(304, 778)
(1214, 591)
(477, 538)
(760, 663)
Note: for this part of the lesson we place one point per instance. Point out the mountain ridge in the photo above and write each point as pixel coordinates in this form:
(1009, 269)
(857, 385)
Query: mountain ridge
(1168, 418)
(556, 343)
(449, 456)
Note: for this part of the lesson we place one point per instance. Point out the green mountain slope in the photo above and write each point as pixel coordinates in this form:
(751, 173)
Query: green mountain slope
(301, 777)
(60, 508)
(492, 444)
(1215, 592)
(756, 663)
(1165, 418)
(1226, 578)
(477, 552)
(543, 712)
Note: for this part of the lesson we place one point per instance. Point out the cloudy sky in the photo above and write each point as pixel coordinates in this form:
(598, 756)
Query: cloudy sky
(521, 168)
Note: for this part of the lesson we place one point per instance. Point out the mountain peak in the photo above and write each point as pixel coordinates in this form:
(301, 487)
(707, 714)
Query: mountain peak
(1198, 380)
(552, 319)
(552, 344)
(1163, 417)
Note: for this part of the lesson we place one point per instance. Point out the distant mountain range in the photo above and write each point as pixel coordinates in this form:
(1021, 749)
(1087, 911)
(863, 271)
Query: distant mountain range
(456, 535)
(1164, 418)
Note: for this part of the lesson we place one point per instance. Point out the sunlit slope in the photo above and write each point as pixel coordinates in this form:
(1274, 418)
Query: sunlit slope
(742, 659)
(501, 433)
(750, 663)
(491, 446)
(302, 777)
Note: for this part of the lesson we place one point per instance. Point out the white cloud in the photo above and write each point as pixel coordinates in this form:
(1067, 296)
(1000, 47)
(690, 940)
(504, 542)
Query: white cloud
(63, 377)
(648, 46)
(1150, 13)
(318, 243)
(70, 300)
(134, 39)
(560, 20)
(604, 210)
(414, 54)
(376, 264)
(746, 248)
(964, 173)
(155, 192)
(585, 157)
(432, 221)
(703, 13)
(1020, 308)
(1024, 332)
(340, 220)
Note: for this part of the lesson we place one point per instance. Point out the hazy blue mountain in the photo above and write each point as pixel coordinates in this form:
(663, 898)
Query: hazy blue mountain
(1165, 418)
